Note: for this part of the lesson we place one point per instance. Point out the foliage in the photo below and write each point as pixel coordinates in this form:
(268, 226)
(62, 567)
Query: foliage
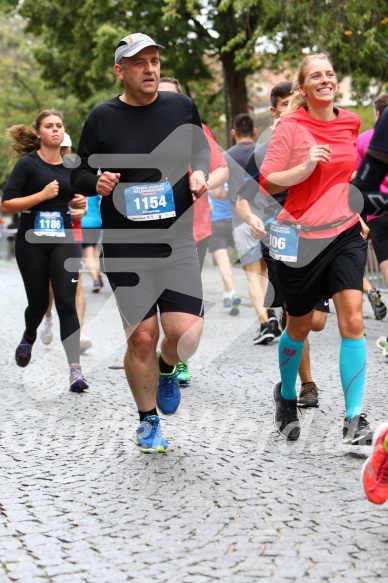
(213, 47)
(23, 92)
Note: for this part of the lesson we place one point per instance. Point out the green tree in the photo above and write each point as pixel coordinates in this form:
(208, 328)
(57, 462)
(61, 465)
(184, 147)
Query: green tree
(209, 44)
(23, 91)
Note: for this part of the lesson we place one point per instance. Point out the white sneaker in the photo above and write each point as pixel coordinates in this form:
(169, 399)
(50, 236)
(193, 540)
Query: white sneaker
(46, 331)
(84, 343)
(382, 344)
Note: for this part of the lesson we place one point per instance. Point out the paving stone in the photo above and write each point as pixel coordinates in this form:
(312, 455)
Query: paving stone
(230, 501)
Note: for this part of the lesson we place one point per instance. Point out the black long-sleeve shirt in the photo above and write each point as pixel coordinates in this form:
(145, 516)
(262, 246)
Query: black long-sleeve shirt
(29, 176)
(169, 128)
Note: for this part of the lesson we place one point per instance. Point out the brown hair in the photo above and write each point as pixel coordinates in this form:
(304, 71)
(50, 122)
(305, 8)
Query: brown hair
(297, 100)
(381, 102)
(173, 81)
(243, 125)
(24, 139)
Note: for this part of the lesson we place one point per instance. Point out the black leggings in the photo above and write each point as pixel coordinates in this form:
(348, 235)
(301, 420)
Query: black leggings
(40, 263)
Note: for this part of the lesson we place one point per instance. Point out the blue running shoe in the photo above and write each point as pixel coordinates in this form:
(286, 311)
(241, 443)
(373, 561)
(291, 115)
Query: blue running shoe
(149, 435)
(77, 381)
(169, 393)
(183, 375)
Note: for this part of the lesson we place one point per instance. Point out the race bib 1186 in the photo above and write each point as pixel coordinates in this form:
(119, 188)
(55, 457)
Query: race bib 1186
(49, 223)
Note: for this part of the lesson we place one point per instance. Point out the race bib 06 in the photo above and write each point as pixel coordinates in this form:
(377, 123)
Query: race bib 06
(283, 242)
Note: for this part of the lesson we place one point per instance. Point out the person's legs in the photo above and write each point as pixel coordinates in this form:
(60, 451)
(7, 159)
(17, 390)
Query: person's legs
(46, 328)
(256, 273)
(182, 333)
(225, 267)
(348, 304)
(92, 263)
(142, 372)
(374, 297)
(141, 363)
(32, 260)
(65, 288)
(290, 350)
(384, 269)
(308, 395)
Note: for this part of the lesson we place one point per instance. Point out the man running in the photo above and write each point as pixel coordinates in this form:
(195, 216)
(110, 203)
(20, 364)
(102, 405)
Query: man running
(143, 142)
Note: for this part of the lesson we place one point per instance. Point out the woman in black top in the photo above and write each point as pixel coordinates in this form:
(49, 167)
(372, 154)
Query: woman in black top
(39, 189)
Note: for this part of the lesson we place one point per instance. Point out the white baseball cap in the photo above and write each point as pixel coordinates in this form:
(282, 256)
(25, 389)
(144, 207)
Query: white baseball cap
(66, 141)
(132, 44)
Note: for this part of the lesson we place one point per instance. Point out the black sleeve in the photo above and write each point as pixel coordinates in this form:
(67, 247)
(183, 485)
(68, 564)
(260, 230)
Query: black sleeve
(17, 180)
(83, 177)
(378, 147)
(371, 173)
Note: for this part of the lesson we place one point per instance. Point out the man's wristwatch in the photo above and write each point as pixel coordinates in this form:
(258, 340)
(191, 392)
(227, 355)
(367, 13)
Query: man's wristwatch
(206, 176)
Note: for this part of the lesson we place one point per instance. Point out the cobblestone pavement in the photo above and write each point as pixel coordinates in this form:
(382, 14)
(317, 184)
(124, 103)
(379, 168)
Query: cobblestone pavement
(231, 501)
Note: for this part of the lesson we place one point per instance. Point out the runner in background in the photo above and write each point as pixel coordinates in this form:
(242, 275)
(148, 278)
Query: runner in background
(39, 188)
(372, 171)
(46, 332)
(248, 248)
(202, 230)
(222, 245)
(378, 226)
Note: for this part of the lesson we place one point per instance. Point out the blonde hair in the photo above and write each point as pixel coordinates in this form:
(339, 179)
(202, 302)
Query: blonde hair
(24, 139)
(297, 100)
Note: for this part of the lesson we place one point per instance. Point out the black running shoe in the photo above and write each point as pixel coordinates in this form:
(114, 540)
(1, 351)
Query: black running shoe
(23, 352)
(357, 431)
(308, 395)
(285, 416)
(77, 381)
(378, 306)
(272, 319)
(264, 334)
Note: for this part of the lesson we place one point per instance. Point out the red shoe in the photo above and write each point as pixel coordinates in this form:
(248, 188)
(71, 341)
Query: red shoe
(374, 474)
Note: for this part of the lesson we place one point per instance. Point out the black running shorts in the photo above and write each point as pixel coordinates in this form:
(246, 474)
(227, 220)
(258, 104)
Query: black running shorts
(222, 235)
(339, 266)
(142, 285)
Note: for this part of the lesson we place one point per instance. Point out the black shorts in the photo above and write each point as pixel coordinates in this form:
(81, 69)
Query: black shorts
(274, 296)
(222, 235)
(379, 236)
(91, 237)
(142, 285)
(339, 266)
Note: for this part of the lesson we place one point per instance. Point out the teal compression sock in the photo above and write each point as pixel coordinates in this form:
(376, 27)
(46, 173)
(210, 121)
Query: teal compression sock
(290, 353)
(352, 372)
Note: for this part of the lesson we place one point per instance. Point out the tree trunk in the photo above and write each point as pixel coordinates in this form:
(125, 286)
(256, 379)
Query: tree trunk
(236, 86)
(236, 95)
